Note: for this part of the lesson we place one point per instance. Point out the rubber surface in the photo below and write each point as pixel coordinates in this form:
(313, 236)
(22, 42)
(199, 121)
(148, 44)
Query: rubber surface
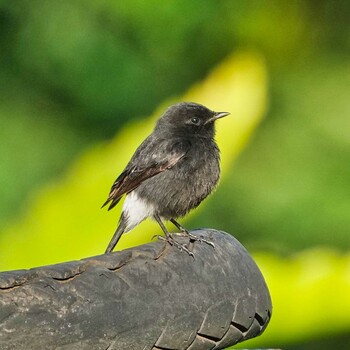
(149, 297)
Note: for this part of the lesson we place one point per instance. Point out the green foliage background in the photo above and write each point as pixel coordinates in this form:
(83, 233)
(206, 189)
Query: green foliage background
(78, 82)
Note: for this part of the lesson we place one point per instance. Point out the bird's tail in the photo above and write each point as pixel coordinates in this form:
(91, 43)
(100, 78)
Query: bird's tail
(117, 234)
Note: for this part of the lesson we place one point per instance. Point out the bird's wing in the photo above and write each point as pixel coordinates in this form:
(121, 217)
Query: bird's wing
(149, 160)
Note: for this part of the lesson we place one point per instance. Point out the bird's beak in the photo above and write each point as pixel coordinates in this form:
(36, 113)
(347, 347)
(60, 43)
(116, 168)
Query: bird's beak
(217, 115)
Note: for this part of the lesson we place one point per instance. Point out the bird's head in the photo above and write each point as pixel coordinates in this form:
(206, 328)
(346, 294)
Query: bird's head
(189, 118)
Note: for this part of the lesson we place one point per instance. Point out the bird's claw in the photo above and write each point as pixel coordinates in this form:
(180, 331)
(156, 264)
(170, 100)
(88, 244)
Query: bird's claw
(173, 242)
(196, 238)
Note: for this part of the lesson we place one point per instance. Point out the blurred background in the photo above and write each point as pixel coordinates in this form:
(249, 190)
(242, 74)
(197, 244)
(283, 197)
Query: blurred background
(79, 82)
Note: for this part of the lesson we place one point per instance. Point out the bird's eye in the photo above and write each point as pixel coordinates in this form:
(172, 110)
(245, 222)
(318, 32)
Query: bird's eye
(195, 120)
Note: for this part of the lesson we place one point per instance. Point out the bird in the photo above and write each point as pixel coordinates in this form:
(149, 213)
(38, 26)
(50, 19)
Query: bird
(172, 171)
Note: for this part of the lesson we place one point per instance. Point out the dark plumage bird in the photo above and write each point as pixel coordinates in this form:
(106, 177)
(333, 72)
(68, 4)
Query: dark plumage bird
(171, 172)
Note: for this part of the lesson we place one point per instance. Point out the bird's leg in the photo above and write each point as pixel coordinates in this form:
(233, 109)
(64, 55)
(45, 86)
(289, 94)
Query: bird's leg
(169, 238)
(190, 235)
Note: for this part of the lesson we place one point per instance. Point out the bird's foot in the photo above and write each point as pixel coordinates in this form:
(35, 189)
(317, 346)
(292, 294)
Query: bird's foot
(196, 238)
(173, 242)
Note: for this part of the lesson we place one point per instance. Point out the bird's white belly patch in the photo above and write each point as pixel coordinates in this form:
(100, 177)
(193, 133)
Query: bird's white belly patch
(136, 210)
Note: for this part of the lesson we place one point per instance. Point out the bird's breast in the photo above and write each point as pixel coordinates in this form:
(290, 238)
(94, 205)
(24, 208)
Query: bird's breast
(176, 191)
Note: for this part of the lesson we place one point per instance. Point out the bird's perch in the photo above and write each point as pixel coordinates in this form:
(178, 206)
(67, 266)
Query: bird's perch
(149, 297)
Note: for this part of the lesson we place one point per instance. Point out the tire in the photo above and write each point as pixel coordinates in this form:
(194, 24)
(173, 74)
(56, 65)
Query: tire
(149, 297)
